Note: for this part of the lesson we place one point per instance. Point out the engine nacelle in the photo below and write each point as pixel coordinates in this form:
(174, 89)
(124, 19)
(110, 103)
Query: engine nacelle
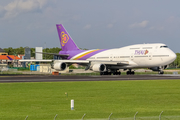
(99, 67)
(154, 68)
(60, 66)
(158, 68)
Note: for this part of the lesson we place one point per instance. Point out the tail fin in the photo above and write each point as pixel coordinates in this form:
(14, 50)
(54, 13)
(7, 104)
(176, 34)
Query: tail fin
(67, 44)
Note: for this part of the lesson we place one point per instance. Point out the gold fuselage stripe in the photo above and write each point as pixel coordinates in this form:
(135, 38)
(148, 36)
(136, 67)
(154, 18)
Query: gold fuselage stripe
(84, 54)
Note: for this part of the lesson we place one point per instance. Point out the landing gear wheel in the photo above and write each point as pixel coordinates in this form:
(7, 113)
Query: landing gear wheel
(161, 72)
(119, 73)
(105, 73)
(130, 72)
(116, 73)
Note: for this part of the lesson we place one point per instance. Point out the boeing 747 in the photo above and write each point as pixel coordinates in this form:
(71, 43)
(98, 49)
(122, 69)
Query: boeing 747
(154, 56)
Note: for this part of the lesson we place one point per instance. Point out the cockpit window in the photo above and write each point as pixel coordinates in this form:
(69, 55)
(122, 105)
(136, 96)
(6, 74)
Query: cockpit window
(164, 47)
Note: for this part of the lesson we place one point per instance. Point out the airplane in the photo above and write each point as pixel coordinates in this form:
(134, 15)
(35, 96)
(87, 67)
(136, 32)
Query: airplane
(154, 56)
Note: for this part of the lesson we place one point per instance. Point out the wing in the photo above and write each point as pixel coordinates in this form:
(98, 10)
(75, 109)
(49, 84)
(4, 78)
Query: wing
(111, 62)
(34, 60)
(70, 62)
(93, 62)
(83, 62)
(62, 64)
(62, 55)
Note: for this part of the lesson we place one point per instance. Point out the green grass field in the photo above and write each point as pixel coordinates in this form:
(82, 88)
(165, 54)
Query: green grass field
(42, 101)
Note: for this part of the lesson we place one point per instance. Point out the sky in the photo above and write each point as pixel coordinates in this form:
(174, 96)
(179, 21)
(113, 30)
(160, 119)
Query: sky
(92, 24)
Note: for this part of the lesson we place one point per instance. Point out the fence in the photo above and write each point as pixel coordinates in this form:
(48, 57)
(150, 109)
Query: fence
(160, 117)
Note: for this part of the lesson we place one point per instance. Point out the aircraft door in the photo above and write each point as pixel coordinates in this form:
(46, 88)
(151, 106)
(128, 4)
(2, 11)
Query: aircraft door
(111, 57)
(132, 56)
(150, 56)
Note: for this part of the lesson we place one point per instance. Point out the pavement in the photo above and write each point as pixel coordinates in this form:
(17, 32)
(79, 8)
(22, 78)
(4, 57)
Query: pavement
(62, 78)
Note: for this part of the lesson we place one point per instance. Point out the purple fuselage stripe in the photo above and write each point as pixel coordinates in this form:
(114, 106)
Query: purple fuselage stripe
(73, 53)
(91, 54)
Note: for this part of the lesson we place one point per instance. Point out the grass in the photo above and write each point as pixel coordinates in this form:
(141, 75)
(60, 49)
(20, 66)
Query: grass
(42, 101)
(10, 73)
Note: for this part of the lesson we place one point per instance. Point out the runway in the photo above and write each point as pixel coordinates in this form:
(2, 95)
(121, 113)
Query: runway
(60, 78)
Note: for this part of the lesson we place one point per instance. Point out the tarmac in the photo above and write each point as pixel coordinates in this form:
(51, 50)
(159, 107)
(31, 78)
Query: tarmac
(62, 78)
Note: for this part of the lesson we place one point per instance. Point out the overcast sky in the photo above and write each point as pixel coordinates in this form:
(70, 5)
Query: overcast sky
(92, 24)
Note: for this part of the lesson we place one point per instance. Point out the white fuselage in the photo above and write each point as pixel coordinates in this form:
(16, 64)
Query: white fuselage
(138, 56)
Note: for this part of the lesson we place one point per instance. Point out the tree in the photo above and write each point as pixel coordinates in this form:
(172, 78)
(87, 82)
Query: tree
(33, 52)
(176, 62)
(20, 51)
(50, 50)
(9, 50)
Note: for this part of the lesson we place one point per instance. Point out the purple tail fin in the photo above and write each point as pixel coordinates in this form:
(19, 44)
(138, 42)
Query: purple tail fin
(67, 44)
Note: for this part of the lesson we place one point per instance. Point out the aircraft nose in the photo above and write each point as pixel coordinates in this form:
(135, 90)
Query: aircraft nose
(173, 56)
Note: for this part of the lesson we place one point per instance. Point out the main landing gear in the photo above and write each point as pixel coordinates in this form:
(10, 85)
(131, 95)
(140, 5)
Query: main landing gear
(105, 73)
(130, 72)
(115, 72)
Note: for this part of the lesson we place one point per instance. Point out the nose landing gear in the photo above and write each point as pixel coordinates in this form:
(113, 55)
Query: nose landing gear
(161, 69)
(161, 72)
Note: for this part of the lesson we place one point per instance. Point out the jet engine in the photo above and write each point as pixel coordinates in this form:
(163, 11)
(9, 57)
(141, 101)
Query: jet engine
(60, 66)
(154, 68)
(158, 68)
(99, 67)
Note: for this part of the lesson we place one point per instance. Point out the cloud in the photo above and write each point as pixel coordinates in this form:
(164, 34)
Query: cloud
(171, 19)
(22, 6)
(76, 17)
(109, 25)
(139, 25)
(88, 26)
(159, 28)
(2, 11)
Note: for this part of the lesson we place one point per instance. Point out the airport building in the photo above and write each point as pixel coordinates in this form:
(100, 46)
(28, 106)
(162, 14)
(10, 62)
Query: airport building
(6, 59)
(2, 52)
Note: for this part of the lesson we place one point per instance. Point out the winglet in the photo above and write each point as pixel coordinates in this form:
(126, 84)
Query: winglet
(67, 44)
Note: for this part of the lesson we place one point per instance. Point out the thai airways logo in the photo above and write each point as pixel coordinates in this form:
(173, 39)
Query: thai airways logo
(146, 52)
(64, 38)
(141, 52)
